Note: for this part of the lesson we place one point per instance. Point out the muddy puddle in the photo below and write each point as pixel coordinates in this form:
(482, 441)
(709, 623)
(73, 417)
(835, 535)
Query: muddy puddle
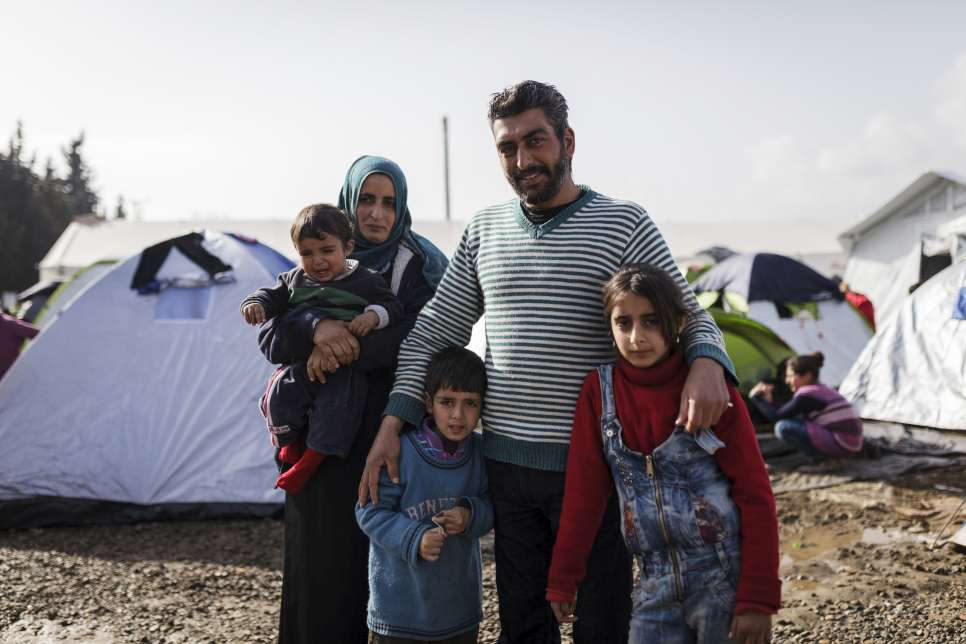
(819, 541)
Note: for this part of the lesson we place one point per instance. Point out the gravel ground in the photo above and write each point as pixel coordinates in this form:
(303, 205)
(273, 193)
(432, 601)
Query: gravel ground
(856, 565)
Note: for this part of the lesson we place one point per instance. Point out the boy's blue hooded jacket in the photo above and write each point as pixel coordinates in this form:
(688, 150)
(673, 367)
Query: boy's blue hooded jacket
(410, 597)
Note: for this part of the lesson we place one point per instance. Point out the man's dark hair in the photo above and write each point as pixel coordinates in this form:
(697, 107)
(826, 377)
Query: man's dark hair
(458, 369)
(654, 284)
(528, 95)
(312, 221)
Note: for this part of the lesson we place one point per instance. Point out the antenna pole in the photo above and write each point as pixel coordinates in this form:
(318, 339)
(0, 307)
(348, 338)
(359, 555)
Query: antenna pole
(446, 164)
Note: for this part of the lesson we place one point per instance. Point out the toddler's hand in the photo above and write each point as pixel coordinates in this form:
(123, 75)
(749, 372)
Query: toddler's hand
(453, 521)
(364, 323)
(751, 628)
(564, 612)
(431, 544)
(254, 313)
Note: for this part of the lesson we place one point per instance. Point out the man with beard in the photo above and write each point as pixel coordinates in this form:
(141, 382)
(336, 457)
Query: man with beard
(536, 266)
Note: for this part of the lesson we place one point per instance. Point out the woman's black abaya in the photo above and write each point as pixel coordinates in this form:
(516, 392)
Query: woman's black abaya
(326, 586)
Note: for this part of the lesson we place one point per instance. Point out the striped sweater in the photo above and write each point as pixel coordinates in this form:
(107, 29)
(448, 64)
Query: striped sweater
(540, 287)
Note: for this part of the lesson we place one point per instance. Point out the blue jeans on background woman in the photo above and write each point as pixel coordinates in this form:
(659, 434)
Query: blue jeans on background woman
(794, 432)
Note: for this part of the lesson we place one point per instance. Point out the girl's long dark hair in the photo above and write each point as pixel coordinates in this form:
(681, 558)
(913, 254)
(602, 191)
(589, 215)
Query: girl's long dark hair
(657, 286)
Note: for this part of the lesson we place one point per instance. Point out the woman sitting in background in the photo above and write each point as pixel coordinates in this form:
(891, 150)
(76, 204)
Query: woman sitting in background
(817, 421)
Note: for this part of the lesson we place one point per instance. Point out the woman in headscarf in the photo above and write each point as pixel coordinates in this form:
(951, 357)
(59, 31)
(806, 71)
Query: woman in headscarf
(325, 577)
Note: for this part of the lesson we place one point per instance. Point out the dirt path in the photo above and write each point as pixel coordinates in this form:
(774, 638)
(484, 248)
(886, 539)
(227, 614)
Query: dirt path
(856, 565)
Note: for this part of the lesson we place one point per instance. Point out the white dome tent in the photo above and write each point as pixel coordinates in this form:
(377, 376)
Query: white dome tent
(799, 305)
(136, 406)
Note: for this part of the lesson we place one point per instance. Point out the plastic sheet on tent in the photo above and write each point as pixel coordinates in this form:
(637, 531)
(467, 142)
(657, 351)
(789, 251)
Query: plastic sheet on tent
(913, 371)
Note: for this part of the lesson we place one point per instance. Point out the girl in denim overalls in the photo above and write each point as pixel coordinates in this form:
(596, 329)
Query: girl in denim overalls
(699, 515)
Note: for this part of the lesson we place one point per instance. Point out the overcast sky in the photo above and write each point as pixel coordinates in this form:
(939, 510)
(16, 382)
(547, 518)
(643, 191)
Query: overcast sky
(713, 110)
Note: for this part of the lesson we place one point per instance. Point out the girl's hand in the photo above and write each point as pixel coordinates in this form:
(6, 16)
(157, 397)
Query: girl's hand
(254, 313)
(564, 612)
(431, 544)
(751, 628)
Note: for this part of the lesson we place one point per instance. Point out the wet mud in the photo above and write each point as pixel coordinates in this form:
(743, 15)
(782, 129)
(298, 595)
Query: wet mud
(857, 566)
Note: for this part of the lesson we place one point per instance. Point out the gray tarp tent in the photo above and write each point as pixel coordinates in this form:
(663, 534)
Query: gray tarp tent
(136, 406)
(913, 371)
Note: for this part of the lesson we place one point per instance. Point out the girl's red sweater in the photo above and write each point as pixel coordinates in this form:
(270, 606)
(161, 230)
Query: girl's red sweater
(647, 403)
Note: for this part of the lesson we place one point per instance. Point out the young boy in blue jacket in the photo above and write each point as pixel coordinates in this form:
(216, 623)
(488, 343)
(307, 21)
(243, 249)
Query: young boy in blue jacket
(425, 577)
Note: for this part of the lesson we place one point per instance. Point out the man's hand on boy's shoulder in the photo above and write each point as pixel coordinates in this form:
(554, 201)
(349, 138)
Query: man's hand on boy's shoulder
(453, 521)
(384, 453)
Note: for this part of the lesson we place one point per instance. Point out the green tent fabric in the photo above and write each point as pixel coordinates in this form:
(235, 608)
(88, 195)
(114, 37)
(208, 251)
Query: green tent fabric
(753, 348)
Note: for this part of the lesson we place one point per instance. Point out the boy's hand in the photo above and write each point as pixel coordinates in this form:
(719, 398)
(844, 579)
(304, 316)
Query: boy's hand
(431, 544)
(363, 323)
(751, 627)
(564, 612)
(254, 313)
(453, 521)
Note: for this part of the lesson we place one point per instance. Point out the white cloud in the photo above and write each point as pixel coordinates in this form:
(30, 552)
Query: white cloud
(848, 179)
(885, 147)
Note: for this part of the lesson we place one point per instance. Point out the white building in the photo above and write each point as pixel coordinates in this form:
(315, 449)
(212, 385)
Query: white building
(88, 240)
(898, 246)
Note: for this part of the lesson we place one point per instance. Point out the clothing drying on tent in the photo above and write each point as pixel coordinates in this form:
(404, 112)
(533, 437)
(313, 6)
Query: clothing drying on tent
(801, 307)
(145, 278)
(138, 406)
(863, 305)
(12, 334)
(914, 369)
(32, 300)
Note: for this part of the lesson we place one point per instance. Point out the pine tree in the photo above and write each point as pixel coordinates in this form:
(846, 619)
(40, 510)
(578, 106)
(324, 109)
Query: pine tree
(83, 200)
(36, 208)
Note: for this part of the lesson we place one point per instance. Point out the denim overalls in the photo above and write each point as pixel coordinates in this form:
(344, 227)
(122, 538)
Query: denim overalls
(682, 528)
